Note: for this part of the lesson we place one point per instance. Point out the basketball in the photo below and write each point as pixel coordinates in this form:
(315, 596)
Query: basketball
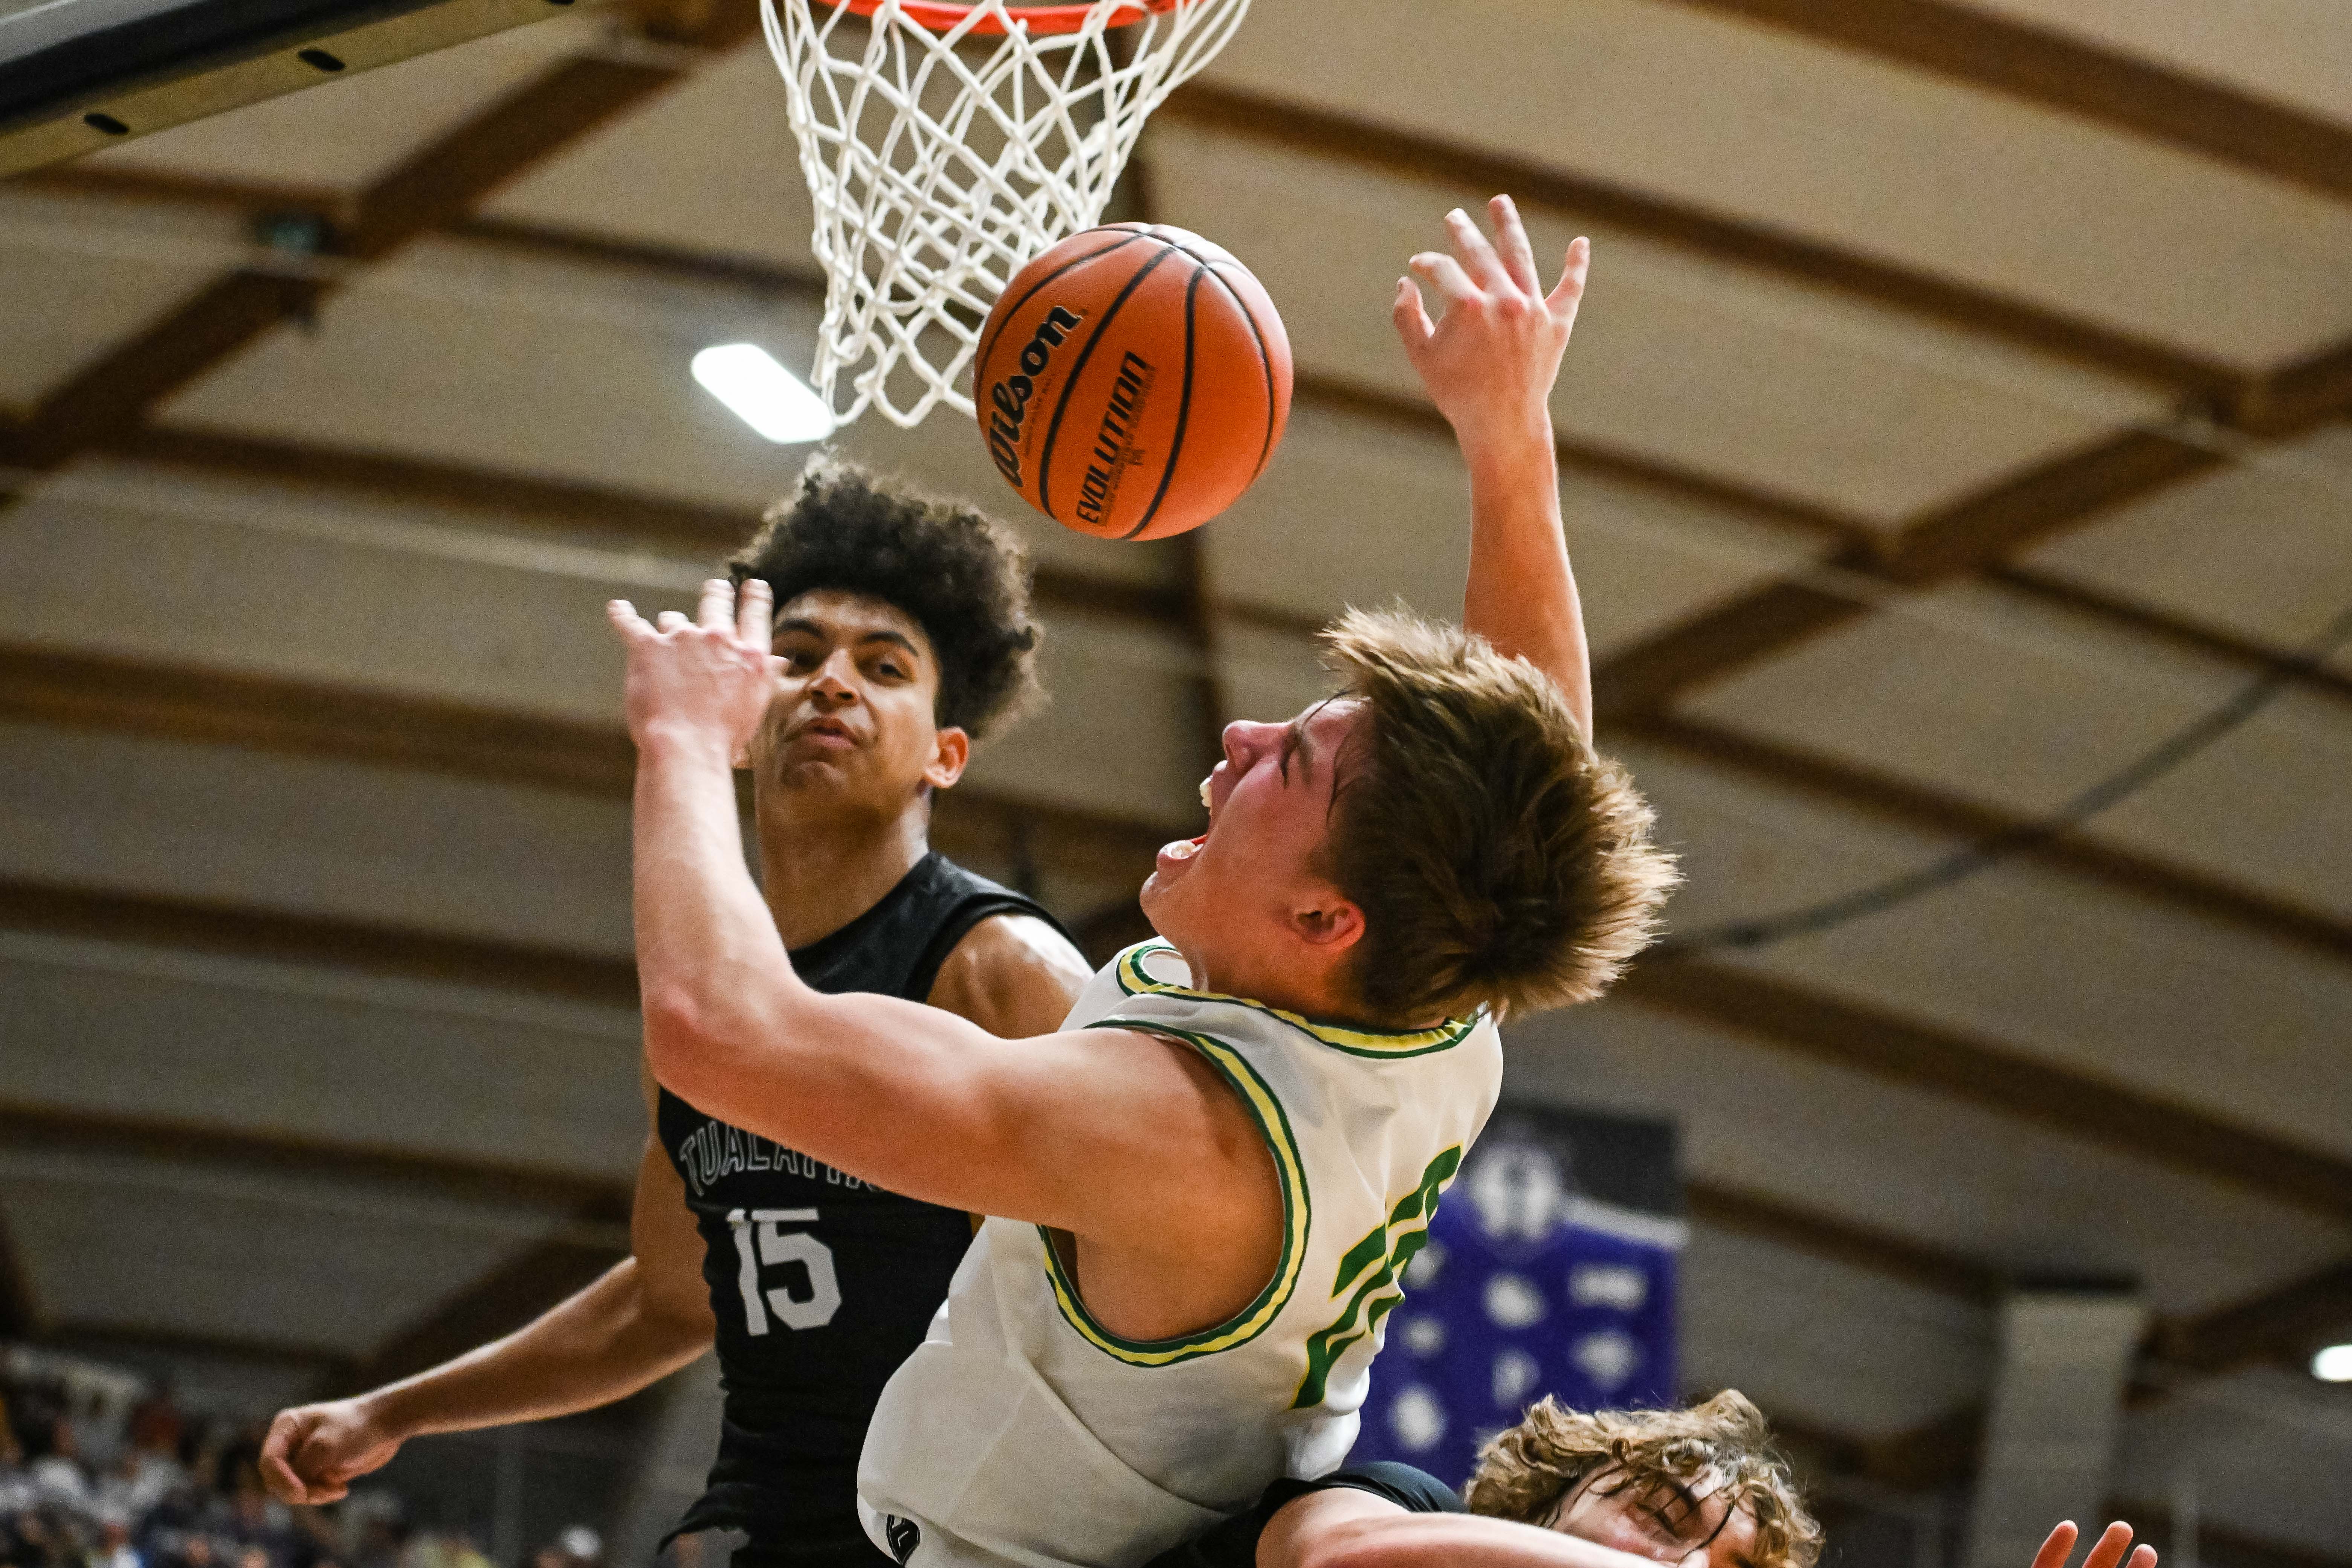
(1132, 381)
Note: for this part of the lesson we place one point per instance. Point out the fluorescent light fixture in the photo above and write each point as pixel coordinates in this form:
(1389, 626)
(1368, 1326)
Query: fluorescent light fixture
(763, 394)
(2333, 1365)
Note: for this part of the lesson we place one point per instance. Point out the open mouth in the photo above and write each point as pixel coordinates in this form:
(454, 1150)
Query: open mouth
(1184, 848)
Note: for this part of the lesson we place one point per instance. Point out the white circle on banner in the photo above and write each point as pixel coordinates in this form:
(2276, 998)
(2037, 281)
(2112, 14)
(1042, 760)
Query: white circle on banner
(1608, 1358)
(1417, 1419)
(1516, 1376)
(1424, 1266)
(1616, 1285)
(1424, 1336)
(1512, 1302)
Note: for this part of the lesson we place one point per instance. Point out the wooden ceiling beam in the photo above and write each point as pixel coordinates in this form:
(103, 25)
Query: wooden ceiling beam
(2281, 1327)
(1368, 143)
(1917, 805)
(1857, 1037)
(1970, 535)
(64, 1129)
(240, 932)
(657, 523)
(102, 691)
(2041, 66)
(432, 188)
(1764, 1217)
(2114, 612)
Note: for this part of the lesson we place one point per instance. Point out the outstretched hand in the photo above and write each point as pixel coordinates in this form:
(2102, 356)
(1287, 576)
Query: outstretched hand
(704, 681)
(2105, 1553)
(1490, 360)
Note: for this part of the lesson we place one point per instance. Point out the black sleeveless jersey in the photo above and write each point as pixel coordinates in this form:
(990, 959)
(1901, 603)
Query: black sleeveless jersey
(821, 1284)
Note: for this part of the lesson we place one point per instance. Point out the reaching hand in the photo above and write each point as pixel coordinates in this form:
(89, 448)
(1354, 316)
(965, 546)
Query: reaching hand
(2105, 1553)
(1490, 362)
(708, 679)
(314, 1452)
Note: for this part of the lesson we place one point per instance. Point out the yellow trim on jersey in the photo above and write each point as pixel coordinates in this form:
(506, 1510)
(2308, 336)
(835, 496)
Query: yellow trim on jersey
(1273, 1125)
(1128, 969)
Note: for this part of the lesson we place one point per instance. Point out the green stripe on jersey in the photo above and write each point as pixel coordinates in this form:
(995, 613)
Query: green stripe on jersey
(1273, 1125)
(1360, 1041)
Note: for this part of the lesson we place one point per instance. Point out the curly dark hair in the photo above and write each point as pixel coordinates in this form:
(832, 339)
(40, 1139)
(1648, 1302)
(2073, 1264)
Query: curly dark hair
(963, 579)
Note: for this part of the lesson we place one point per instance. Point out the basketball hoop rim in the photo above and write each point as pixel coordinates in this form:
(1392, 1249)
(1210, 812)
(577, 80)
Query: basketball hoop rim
(943, 16)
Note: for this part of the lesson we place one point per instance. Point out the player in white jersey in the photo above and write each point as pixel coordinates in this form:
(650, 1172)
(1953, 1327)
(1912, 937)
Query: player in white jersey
(1212, 1176)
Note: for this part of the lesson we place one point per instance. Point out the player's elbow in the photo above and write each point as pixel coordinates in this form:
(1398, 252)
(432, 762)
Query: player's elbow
(682, 1041)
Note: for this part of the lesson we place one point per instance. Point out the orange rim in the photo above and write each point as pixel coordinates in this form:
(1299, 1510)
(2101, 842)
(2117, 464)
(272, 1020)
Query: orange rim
(940, 16)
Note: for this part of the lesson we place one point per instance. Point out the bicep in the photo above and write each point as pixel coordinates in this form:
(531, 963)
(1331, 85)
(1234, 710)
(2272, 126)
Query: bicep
(1076, 1131)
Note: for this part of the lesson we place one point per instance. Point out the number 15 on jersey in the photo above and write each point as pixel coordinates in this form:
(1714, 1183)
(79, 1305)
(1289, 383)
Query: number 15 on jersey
(761, 1241)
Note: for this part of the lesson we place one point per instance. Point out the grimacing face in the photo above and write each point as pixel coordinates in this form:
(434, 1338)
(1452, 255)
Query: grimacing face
(1666, 1519)
(1232, 900)
(852, 721)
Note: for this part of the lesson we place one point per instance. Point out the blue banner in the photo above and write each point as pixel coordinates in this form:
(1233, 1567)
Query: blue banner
(1550, 1270)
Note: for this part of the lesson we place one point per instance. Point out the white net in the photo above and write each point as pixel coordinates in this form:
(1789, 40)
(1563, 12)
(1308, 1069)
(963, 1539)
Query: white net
(942, 157)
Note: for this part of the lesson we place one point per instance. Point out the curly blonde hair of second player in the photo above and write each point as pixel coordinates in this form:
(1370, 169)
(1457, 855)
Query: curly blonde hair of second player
(1525, 1473)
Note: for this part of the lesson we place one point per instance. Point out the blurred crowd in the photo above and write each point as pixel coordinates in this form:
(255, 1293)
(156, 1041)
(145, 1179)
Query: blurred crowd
(102, 1469)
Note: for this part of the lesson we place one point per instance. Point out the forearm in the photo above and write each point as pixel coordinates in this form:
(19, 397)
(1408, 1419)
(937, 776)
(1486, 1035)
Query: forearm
(713, 975)
(1521, 595)
(602, 1344)
(1449, 1540)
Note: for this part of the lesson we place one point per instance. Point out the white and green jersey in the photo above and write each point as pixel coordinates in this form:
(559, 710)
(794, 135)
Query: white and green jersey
(1023, 1432)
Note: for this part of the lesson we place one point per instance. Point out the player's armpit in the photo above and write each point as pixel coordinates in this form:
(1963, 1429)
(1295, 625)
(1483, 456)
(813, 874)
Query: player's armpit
(1012, 975)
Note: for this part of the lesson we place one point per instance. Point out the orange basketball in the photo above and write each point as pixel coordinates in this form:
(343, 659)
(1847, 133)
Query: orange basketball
(1132, 381)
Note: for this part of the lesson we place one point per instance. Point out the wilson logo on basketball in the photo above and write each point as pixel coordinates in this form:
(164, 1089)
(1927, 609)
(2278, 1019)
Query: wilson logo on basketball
(1009, 397)
(1115, 451)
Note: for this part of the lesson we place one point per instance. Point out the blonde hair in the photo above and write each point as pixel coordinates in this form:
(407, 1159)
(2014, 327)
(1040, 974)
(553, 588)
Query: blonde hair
(1497, 858)
(1529, 1470)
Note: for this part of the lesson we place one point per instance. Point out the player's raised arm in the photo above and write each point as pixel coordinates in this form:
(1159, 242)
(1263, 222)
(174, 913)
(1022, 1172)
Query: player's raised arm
(1489, 362)
(907, 1096)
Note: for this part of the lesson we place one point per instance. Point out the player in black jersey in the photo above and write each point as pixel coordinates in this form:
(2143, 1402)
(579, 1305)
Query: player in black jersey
(903, 632)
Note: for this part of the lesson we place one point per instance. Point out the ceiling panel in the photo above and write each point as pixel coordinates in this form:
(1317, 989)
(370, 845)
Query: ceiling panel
(2289, 52)
(297, 1260)
(1748, 120)
(1123, 733)
(1950, 1176)
(1351, 512)
(493, 358)
(2101, 981)
(467, 355)
(1822, 1343)
(334, 589)
(710, 166)
(1724, 370)
(303, 834)
(2265, 1453)
(349, 130)
(2262, 548)
(2005, 700)
(82, 276)
(321, 1056)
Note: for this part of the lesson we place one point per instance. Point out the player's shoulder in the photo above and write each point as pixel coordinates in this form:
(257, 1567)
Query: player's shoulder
(1150, 986)
(1013, 973)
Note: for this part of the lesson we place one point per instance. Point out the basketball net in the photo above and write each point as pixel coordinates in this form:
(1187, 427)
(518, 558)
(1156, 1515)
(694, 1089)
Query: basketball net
(944, 146)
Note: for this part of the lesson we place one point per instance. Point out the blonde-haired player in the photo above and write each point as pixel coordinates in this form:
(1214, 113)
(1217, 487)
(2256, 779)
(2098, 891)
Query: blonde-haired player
(1212, 1177)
